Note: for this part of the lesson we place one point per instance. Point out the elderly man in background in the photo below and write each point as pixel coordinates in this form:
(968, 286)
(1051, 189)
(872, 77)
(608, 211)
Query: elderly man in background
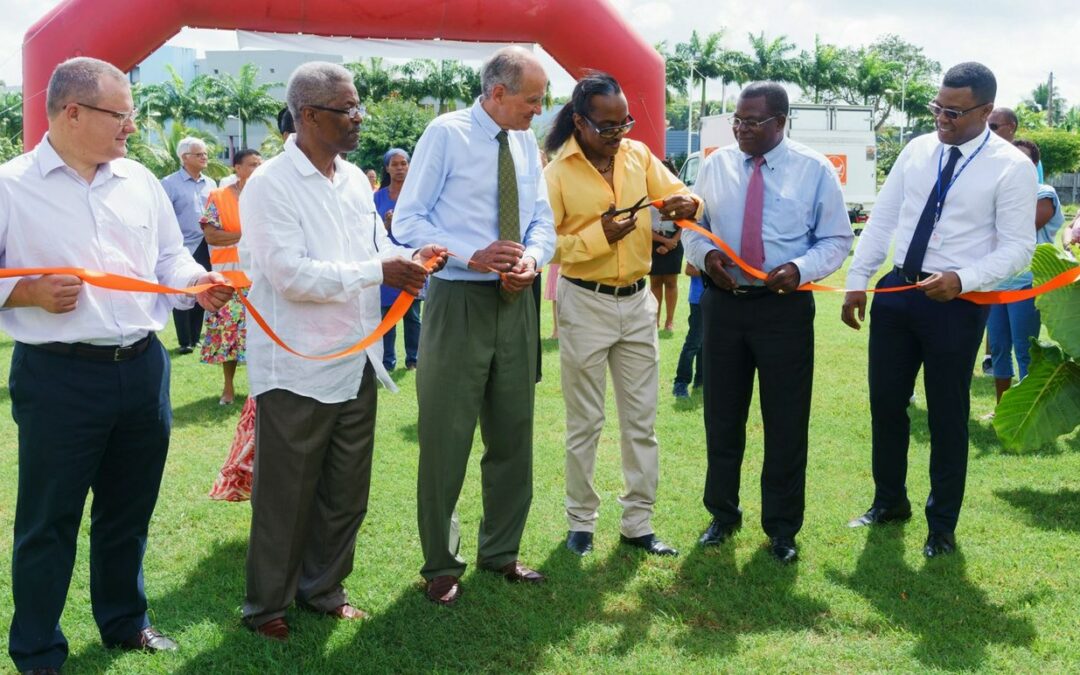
(476, 187)
(316, 252)
(188, 190)
(89, 379)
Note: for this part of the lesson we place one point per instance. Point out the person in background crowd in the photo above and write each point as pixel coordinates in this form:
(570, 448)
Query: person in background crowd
(476, 187)
(667, 257)
(957, 210)
(89, 380)
(1011, 326)
(316, 253)
(188, 190)
(373, 178)
(395, 168)
(780, 205)
(607, 318)
(686, 372)
(225, 331)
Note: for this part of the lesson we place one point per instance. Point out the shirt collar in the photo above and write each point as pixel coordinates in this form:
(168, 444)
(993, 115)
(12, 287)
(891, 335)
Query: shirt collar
(184, 175)
(49, 160)
(571, 147)
(489, 126)
(774, 158)
(971, 146)
(303, 163)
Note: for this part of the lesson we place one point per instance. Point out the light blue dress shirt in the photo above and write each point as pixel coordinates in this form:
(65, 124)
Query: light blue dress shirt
(188, 197)
(451, 195)
(804, 218)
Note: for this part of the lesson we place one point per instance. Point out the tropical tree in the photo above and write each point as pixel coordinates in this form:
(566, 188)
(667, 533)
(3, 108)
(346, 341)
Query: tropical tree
(393, 123)
(702, 59)
(11, 120)
(676, 73)
(243, 97)
(443, 81)
(374, 80)
(770, 59)
(1039, 100)
(1071, 120)
(821, 73)
(175, 99)
(1029, 118)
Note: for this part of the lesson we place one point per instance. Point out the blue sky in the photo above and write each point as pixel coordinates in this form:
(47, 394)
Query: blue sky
(1020, 41)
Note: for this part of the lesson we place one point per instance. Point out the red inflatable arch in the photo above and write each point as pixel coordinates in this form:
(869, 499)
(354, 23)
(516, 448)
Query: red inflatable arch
(579, 34)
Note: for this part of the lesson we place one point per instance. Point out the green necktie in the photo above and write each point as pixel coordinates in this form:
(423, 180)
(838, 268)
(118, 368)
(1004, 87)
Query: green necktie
(509, 220)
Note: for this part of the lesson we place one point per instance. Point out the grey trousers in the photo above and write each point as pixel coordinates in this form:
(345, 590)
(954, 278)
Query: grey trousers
(308, 498)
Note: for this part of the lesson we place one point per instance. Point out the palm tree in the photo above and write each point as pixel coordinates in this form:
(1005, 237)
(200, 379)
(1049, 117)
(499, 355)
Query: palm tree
(159, 155)
(676, 72)
(250, 101)
(823, 72)
(701, 58)
(374, 81)
(11, 120)
(769, 59)
(443, 81)
(175, 99)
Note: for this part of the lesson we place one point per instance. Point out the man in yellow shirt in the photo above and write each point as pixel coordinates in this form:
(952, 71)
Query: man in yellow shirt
(605, 318)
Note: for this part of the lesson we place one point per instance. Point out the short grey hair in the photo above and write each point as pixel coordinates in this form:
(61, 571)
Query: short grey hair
(78, 79)
(505, 67)
(186, 144)
(312, 83)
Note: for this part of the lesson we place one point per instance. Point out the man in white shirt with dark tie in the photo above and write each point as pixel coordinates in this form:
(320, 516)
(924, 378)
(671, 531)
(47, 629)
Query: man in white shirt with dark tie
(89, 379)
(959, 206)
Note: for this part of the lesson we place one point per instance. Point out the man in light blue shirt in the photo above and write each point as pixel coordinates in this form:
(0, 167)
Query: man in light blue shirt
(779, 205)
(188, 190)
(475, 186)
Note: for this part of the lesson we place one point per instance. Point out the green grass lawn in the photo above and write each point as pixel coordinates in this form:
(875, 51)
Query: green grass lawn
(858, 600)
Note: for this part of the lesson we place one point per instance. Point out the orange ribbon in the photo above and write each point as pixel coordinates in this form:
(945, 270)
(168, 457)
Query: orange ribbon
(978, 297)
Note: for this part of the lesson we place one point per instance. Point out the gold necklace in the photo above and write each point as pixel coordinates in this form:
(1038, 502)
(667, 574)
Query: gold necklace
(609, 167)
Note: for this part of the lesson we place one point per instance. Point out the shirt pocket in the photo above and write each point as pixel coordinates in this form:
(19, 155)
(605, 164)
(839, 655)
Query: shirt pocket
(131, 236)
(790, 220)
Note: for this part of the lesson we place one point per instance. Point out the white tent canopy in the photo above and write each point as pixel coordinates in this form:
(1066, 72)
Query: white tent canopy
(353, 49)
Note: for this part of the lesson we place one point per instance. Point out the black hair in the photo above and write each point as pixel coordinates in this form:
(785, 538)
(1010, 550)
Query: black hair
(1010, 115)
(285, 124)
(975, 76)
(595, 83)
(776, 98)
(1031, 147)
(241, 155)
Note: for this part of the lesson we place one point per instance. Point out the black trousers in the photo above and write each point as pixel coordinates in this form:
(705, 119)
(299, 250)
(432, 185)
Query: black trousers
(189, 322)
(772, 335)
(84, 425)
(907, 331)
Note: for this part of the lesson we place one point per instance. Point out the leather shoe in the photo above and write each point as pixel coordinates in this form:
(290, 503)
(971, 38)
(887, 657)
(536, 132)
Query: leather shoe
(444, 590)
(40, 671)
(347, 612)
(783, 549)
(939, 543)
(717, 533)
(650, 543)
(274, 629)
(879, 515)
(149, 639)
(579, 542)
(517, 573)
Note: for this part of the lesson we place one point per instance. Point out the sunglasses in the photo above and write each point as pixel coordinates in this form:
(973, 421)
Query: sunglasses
(949, 113)
(355, 112)
(613, 131)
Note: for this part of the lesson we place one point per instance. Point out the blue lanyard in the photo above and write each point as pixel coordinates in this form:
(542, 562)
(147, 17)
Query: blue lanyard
(942, 193)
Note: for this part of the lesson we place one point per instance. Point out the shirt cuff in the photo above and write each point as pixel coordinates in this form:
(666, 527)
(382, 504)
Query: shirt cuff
(6, 286)
(969, 279)
(857, 282)
(804, 272)
(537, 254)
(462, 260)
(595, 240)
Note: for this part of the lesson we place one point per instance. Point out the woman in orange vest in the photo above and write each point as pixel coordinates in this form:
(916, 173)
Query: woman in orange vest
(224, 333)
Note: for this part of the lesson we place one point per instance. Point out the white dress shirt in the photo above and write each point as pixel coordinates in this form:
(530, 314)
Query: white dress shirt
(986, 231)
(451, 195)
(313, 249)
(122, 223)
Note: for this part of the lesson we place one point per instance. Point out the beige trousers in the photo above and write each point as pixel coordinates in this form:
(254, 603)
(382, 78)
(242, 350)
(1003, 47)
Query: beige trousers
(598, 332)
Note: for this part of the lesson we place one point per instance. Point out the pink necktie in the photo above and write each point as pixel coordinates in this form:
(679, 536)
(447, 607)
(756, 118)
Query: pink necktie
(753, 248)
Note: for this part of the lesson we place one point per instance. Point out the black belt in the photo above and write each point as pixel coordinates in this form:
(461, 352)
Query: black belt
(921, 276)
(82, 350)
(617, 291)
(478, 282)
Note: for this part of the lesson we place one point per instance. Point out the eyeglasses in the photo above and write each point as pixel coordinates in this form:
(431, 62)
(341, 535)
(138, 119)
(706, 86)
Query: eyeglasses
(121, 118)
(200, 155)
(949, 113)
(357, 111)
(613, 131)
(752, 125)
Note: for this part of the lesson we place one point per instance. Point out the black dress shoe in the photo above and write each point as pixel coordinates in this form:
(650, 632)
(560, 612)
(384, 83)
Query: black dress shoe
(783, 549)
(650, 543)
(939, 543)
(579, 542)
(879, 515)
(149, 639)
(717, 533)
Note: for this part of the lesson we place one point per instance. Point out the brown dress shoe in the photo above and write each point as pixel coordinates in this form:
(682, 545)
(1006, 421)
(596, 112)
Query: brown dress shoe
(518, 573)
(348, 612)
(444, 590)
(149, 639)
(274, 629)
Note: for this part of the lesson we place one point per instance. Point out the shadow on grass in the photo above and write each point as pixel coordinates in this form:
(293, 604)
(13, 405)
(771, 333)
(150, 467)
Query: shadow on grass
(1056, 511)
(549, 345)
(205, 411)
(409, 433)
(951, 617)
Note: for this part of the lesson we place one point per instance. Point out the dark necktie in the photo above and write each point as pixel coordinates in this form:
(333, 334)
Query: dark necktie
(509, 220)
(917, 248)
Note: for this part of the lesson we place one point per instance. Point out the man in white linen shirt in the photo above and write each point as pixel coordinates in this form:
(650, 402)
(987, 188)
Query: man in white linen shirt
(959, 205)
(316, 252)
(89, 380)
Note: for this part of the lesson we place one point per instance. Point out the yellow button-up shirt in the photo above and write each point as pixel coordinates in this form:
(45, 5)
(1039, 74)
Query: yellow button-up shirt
(579, 195)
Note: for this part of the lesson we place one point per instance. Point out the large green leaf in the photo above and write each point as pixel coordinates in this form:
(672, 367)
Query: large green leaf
(1045, 405)
(1060, 309)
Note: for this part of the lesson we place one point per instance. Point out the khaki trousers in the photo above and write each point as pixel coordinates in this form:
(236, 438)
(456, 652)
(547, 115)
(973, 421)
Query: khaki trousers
(598, 332)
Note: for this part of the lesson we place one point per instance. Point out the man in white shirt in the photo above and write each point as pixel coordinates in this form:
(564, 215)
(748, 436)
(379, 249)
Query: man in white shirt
(960, 206)
(89, 379)
(316, 252)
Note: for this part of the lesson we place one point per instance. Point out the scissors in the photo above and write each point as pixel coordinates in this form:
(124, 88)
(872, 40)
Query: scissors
(642, 203)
